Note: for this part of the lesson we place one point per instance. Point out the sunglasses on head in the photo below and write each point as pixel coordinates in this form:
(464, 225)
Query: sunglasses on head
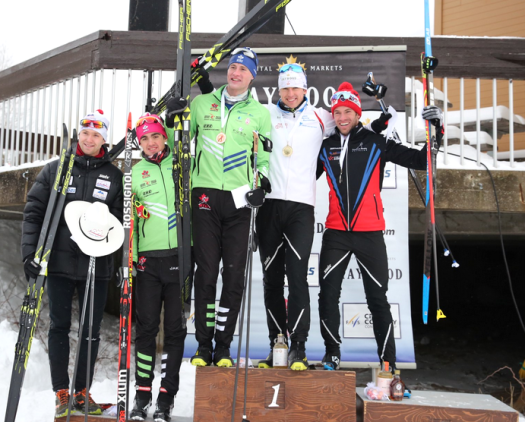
(345, 95)
(293, 67)
(248, 52)
(151, 118)
(96, 124)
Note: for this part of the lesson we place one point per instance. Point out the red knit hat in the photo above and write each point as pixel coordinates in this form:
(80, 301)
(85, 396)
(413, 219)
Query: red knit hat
(346, 96)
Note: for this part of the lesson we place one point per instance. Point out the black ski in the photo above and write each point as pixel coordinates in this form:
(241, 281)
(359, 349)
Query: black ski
(33, 299)
(182, 159)
(125, 274)
(246, 27)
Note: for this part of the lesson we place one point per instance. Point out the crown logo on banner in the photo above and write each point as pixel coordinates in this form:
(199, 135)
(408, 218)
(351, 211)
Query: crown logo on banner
(292, 60)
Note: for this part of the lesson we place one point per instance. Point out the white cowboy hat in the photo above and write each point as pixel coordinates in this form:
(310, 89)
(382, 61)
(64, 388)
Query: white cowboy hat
(96, 231)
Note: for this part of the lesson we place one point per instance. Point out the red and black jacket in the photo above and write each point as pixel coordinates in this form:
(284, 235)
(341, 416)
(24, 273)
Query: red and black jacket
(355, 189)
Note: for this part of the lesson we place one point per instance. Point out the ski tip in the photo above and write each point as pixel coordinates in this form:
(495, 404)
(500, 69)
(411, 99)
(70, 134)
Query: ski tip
(425, 318)
(440, 315)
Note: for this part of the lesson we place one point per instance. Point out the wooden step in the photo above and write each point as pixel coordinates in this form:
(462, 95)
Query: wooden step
(275, 395)
(435, 406)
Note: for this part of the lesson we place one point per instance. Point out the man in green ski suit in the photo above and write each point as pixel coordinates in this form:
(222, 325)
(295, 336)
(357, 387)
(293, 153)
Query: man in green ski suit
(223, 123)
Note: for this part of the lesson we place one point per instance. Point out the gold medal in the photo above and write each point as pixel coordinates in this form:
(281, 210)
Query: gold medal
(221, 138)
(287, 151)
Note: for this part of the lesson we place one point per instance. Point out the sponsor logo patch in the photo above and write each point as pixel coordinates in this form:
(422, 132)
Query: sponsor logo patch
(203, 202)
(100, 194)
(104, 184)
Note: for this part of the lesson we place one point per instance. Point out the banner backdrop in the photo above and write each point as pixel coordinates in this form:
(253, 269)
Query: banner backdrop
(325, 71)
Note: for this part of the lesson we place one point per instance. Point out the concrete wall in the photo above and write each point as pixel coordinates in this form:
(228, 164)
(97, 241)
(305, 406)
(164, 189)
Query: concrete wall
(465, 201)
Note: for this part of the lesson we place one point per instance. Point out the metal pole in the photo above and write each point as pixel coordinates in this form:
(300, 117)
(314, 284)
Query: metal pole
(18, 119)
(494, 122)
(478, 124)
(461, 124)
(445, 107)
(93, 90)
(48, 149)
(511, 123)
(2, 131)
(412, 112)
(113, 86)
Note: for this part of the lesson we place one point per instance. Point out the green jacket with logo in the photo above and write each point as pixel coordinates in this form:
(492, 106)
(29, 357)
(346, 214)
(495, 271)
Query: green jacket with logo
(227, 166)
(153, 187)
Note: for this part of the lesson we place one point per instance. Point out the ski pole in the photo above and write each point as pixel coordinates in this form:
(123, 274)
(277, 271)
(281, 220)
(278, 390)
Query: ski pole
(91, 269)
(247, 287)
(90, 335)
(379, 97)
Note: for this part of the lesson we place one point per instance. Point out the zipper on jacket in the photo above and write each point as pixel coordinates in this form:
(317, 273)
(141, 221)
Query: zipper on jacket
(199, 162)
(377, 211)
(143, 224)
(167, 206)
(347, 194)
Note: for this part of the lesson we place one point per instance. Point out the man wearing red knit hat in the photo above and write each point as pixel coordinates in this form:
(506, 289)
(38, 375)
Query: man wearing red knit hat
(93, 179)
(354, 160)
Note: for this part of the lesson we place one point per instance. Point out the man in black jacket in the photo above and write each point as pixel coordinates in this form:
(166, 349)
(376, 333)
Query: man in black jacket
(354, 160)
(93, 179)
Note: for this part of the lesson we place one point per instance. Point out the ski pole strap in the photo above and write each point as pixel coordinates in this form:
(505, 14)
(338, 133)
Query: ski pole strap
(142, 212)
(267, 143)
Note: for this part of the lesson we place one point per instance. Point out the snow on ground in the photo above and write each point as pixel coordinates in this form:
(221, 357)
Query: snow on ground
(37, 401)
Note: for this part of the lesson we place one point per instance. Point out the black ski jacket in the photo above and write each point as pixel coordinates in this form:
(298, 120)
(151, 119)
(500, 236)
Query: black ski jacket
(93, 179)
(355, 190)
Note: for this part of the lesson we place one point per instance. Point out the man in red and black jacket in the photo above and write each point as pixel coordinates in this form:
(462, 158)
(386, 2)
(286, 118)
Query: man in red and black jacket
(354, 159)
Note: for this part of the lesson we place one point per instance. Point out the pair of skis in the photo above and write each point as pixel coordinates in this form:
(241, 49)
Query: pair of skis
(126, 283)
(32, 301)
(428, 64)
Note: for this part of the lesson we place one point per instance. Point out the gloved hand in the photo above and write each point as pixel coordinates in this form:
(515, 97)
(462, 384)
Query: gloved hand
(378, 91)
(31, 268)
(434, 115)
(255, 197)
(381, 123)
(173, 107)
(265, 183)
(205, 85)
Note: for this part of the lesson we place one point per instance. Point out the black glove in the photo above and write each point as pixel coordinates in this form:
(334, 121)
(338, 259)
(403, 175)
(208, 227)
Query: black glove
(265, 183)
(434, 115)
(31, 268)
(378, 91)
(204, 82)
(380, 124)
(173, 107)
(255, 198)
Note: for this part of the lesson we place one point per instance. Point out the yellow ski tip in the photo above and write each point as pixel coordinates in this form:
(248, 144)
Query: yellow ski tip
(440, 314)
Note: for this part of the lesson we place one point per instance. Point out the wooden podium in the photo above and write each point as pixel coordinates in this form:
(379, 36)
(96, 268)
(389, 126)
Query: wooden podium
(275, 395)
(435, 406)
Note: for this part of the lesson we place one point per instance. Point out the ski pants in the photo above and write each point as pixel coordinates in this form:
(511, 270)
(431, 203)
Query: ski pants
(158, 283)
(220, 231)
(286, 233)
(370, 252)
(60, 291)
